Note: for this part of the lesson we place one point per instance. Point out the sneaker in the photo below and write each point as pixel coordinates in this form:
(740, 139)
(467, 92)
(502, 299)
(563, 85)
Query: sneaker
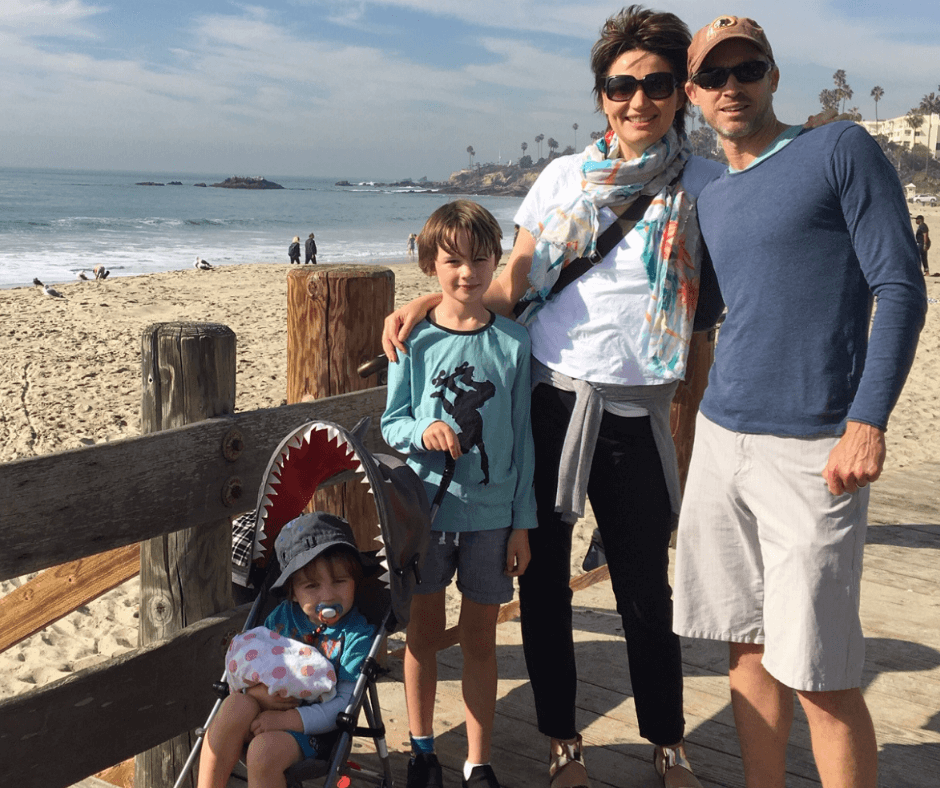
(424, 771)
(481, 777)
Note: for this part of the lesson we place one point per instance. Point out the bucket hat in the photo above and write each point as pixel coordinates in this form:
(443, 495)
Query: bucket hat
(308, 536)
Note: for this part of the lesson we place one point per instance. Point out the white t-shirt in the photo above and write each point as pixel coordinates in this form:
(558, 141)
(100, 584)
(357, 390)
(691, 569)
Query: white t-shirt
(589, 331)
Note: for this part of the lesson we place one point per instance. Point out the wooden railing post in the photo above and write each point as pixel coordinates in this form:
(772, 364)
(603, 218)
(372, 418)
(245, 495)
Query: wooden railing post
(188, 374)
(334, 323)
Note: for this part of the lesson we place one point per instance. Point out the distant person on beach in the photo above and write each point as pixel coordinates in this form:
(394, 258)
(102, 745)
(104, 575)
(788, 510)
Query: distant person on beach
(463, 389)
(922, 237)
(310, 247)
(321, 568)
(412, 240)
(608, 352)
(293, 251)
(806, 227)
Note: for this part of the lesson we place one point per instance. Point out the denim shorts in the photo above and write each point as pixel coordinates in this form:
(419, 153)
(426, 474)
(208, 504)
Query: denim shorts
(314, 747)
(477, 557)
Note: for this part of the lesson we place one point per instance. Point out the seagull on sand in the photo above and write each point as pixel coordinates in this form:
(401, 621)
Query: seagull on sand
(100, 272)
(83, 276)
(49, 291)
(202, 265)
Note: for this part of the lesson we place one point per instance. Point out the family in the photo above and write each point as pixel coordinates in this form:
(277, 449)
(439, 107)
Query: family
(797, 237)
(623, 251)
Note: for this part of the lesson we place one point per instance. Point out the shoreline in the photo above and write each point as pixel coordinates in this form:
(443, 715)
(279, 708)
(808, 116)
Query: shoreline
(392, 262)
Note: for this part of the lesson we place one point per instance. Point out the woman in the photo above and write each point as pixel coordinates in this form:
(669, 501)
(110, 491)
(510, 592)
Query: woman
(608, 352)
(293, 251)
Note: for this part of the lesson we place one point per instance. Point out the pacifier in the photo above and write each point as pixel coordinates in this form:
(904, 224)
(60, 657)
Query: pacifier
(329, 611)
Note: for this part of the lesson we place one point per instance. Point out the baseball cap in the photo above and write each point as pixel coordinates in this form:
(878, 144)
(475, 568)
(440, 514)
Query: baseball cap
(722, 29)
(308, 536)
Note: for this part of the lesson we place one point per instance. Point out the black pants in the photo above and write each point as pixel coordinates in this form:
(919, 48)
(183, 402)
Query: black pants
(628, 493)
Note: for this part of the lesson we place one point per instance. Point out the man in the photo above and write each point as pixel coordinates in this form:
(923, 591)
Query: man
(310, 248)
(922, 236)
(804, 229)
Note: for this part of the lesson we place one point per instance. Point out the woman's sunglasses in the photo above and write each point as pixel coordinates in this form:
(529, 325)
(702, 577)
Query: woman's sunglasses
(748, 71)
(660, 85)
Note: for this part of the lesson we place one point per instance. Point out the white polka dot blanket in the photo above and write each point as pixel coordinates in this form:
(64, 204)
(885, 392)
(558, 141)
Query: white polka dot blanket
(288, 668)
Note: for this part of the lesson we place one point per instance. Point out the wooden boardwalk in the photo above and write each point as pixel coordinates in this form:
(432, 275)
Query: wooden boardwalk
(901, 618)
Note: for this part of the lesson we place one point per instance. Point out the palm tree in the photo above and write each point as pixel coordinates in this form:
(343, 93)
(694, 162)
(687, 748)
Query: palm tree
(552, 146)
(929, 105)
(525, 146)
(538, 141)
(575, 127)
(843, 91)
(472, 153)
(877, 93)
(829, 99)
(915, 120)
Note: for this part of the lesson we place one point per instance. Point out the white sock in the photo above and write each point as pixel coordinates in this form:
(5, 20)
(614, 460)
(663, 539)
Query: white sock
(469, 767)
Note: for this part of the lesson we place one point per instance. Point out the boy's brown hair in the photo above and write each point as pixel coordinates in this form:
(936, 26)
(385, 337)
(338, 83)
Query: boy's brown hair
(441, 229)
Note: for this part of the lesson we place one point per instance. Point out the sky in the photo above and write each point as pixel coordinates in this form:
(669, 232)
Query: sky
(381, 89)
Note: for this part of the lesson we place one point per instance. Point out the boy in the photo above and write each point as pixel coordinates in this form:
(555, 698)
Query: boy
(320, 570)
(463, 388)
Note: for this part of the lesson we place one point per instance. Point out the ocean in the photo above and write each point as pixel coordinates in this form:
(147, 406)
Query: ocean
(55, 223)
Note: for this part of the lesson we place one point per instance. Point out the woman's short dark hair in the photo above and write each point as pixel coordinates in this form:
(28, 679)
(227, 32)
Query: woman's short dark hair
(636, 27)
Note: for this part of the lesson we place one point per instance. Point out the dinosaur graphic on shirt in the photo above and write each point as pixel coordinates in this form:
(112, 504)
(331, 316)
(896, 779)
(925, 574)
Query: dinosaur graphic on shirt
(469, 398)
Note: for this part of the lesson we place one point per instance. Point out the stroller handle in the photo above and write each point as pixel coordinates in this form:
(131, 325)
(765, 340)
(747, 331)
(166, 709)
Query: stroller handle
(450, 464)
(370, 367)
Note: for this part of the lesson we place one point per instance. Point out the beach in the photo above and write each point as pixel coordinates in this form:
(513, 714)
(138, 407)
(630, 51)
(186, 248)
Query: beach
(71, 378)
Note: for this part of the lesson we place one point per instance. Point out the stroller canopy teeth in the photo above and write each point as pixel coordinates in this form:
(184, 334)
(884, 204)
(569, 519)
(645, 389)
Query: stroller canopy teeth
(319, 451)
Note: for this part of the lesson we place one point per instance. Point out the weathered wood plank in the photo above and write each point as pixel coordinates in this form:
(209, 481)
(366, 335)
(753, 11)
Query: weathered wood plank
(909, 495)
(335, 315)
(108, 713)
(60, 590)
(116, 494)
(188, 372)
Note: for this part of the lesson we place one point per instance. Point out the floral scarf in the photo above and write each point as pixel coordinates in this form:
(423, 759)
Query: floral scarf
(671, 241)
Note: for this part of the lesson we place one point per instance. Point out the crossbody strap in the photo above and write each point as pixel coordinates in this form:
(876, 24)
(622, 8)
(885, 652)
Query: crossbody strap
(606, 241)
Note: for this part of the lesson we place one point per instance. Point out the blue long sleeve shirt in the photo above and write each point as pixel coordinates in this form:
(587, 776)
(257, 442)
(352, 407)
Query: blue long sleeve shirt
(478, 382)
(801, 241)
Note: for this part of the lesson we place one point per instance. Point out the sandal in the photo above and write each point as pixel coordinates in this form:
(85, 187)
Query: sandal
(566, 765)
(672, 765)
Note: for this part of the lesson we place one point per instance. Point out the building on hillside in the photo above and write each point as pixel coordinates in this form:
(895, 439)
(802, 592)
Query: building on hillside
(897, 130)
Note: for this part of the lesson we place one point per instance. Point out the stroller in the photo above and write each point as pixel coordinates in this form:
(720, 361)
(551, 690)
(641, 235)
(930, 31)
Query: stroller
(307, 457)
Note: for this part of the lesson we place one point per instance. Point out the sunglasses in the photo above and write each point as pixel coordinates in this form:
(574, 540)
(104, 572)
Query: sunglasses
(660, 85)
(748, 71)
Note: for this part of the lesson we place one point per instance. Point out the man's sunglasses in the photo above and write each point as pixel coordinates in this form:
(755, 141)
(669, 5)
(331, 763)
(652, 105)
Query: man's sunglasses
(660, 85)
(748, 71)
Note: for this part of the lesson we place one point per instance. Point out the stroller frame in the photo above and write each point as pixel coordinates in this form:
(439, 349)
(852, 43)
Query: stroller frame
(297, 468)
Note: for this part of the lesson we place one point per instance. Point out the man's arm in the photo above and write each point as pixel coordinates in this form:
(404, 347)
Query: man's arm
(878, 221)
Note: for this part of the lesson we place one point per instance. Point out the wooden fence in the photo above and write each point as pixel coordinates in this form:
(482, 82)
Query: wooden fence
(76, 504)
(61, 510)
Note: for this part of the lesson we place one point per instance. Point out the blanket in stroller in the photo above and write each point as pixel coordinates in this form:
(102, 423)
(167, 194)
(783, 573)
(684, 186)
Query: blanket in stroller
(289, 668)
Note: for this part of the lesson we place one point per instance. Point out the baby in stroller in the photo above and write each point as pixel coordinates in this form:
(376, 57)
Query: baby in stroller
(321, 568)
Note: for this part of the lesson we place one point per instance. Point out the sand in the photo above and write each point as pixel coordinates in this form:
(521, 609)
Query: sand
(71, 378)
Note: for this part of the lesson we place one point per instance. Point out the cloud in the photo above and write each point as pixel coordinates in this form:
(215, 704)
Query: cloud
(341, 89)
(47, 18)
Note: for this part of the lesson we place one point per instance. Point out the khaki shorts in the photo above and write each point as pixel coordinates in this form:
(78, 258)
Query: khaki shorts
(766, 554)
